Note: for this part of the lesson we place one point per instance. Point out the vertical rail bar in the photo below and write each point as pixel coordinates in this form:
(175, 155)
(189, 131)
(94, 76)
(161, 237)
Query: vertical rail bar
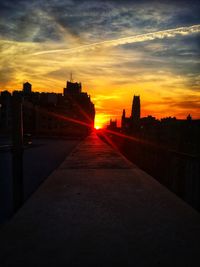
(17, 155)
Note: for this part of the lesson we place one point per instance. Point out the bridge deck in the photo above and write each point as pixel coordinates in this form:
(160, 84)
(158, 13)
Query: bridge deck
(98, 208)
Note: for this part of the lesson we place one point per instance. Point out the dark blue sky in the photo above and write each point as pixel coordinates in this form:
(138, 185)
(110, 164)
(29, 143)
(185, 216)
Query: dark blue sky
(97, 18)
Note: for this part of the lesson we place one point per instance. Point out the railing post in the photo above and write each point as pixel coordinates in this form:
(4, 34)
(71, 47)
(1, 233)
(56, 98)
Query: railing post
(17, 152)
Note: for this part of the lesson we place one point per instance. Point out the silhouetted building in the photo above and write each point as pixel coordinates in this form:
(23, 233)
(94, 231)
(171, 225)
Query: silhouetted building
(123, 119)
(27, 88)
(180, 135)
(79, 102)
(72, 88)
(125, 122)
(168, 149)
(130, 124)
(135, 114)
(51, 113)
(113, 125)
(189, 117)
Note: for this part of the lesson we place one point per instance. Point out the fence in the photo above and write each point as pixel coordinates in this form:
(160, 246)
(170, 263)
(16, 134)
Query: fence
(177, 171)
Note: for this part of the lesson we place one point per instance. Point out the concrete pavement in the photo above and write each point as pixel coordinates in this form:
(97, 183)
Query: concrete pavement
(99, 209)
(39, 160)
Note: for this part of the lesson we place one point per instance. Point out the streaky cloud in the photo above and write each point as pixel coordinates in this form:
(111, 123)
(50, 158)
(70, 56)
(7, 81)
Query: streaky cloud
(170, 33)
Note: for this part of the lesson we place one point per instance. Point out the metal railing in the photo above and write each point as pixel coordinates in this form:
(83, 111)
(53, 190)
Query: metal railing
(179, 172)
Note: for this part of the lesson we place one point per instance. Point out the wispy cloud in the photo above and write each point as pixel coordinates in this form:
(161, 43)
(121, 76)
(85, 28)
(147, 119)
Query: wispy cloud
(115, 48)
(128, 40)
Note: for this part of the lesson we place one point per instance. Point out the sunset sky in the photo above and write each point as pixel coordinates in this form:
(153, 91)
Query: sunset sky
(115, 48)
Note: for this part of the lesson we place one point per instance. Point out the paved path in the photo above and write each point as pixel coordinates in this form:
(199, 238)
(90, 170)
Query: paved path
(39, 160)
(99, 209)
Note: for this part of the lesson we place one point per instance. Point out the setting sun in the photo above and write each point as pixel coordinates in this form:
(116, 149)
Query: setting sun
(101, 120)
(127, 58)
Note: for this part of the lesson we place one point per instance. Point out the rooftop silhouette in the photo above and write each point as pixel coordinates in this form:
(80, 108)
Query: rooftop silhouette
(50, 113)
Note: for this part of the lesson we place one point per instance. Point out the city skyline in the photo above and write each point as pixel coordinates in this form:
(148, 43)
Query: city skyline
(135, 112)
(115, 48)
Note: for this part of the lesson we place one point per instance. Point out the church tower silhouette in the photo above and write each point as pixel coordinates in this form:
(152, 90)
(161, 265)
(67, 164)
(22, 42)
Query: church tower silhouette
(135, 114)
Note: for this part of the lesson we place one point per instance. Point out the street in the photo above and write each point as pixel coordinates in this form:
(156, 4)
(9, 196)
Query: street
(40, 159)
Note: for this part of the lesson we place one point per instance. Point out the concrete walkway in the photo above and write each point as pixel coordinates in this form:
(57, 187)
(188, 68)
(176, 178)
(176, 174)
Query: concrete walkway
(97, 208)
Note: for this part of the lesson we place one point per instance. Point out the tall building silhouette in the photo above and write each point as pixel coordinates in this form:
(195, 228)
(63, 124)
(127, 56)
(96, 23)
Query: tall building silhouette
(125, 122)
(123, 119)
(79, 102)
(131, 123)
(72, 88)
(135, 113)
(27, 88)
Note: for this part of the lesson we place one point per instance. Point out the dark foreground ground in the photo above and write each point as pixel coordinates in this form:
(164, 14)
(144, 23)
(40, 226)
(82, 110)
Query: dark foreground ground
(40, 159)
(98, 209)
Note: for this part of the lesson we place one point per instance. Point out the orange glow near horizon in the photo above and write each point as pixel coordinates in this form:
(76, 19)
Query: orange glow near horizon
(110, 107)
(163, 92)
(101, 120)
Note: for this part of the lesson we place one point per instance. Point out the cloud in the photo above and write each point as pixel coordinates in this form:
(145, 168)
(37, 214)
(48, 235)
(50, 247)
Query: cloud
(134, 57)
(170, 33)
